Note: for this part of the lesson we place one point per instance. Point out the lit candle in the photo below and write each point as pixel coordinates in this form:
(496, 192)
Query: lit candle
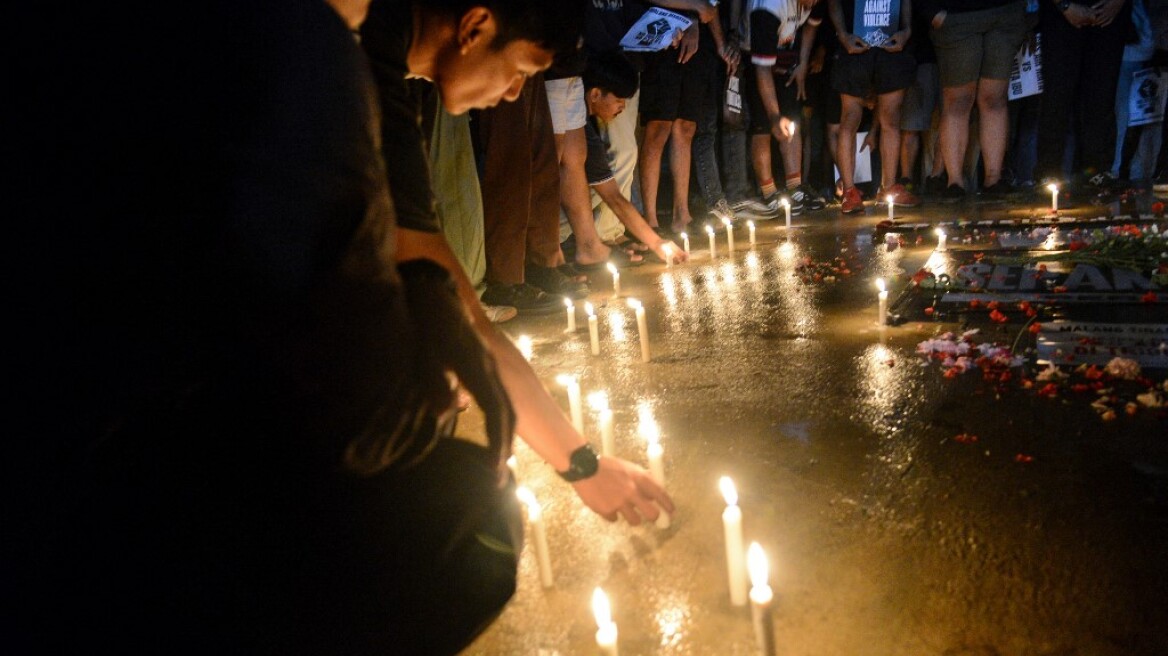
(525, 346)
(685, 242)
(616, 290)
(729, 234)
(668, 248)
(891, 204)
(882, 313)
(656, 456)
(940, 238)
(1053, 188)
(538, 535)
(513, 465)
(571, 309)
(575, 406)
(732, 525)
(750, 225)
(599, 403)
(760, 601)
(787, 209)
(713, 250)
(593, 328)
(606, 629)
(642, 328)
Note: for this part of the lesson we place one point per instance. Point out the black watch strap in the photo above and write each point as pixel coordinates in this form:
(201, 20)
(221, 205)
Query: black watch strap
(1063, 5)
(582, 464)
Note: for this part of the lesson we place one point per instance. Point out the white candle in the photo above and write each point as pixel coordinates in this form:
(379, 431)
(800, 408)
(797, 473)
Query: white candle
(656, 455)
(606, 633)
(941, 237)
(513, 465)
(593, 328)
(668, 248)
(750, 225)
(787, 209)
(890, 199)
(760, 601)
(575, 406)
(599, 403)
(525, 346)
(571, 310)
(616, 290)
(882, 313)
(732, 526)
(713, 249)
(1053, 188)
(642, 328)
(729, 234)
(538, 535)
(685, 242)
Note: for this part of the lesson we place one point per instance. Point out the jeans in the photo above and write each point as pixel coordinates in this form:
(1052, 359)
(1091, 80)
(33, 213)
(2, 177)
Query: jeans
(1143, 144)
(705, 157)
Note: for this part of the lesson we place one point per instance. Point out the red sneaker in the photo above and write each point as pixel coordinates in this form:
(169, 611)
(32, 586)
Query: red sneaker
(900, 196)
(852, 201)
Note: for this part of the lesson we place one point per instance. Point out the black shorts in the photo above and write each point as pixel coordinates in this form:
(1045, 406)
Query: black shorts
(671, 90)
(790, 106)
(873, 71)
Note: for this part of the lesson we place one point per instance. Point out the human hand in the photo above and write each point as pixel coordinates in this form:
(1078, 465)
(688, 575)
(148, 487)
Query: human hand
(1106, 11)
(620, 488)
(670, 253)
(732, 56)
(782, 128)
(853, 44)
(1079, 15)
(689, 44)
(869, 141)
(897, 41)
(799, 77)
(939, 19)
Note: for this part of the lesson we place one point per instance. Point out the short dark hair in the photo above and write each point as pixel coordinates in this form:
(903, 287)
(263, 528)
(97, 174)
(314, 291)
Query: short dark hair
(613, 72)
(556, 25)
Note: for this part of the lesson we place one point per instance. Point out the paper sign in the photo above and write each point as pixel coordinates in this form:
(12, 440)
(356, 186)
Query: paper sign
(1149, 91)
(863, 172)
(654, 30)
(876, 20)
(1026, 75)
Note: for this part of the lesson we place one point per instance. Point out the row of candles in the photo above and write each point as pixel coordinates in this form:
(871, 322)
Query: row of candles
(594, 325)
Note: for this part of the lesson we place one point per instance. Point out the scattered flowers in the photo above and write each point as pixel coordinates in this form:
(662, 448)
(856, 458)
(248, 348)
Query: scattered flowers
(1123, 369)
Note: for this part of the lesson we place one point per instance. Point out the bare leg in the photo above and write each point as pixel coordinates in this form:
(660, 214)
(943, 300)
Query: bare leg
(910, 145)
(845, 155)
(956, 103)
(679, 165)
(994, 124)
(572, 150)
(833, 138)
(653, 146)
(792, 153)
(888, 113)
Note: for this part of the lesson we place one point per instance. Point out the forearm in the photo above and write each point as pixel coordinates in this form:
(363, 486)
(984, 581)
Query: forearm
(715, 26)
(836, 11)
(906, 17)
(627, 213)
(808, 40)
(539, 420)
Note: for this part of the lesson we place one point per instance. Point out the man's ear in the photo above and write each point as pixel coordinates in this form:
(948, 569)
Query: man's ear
(594, 94)
(476, 26)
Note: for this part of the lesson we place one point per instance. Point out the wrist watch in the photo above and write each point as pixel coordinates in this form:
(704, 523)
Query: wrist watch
(582, 464)
(1063, 5)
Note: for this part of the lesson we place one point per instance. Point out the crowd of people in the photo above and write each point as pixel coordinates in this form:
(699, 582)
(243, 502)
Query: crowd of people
(259, 249)
(929, 97)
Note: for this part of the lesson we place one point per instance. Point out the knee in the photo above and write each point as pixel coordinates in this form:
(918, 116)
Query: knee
(957, 101)
(991, 100)
(684, 130)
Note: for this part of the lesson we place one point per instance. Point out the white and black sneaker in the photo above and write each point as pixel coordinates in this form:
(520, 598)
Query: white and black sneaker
(722, 210)
(752, 208)
(805, 197)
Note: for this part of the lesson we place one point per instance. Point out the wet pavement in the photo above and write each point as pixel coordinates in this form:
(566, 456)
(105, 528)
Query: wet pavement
(1048, 535)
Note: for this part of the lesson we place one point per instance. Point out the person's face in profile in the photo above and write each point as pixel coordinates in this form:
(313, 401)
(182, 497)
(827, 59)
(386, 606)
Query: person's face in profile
(472, 74)
(605, 105)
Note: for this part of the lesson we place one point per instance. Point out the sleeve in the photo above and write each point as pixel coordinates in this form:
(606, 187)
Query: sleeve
(764, 38)
(401, 135)
(818, 13)
(596, 167)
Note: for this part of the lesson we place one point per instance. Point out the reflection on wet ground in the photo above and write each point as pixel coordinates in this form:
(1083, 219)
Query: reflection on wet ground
(884, 535)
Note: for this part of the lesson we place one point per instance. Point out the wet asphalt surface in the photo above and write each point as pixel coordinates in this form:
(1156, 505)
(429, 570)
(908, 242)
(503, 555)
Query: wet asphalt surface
(885, 535)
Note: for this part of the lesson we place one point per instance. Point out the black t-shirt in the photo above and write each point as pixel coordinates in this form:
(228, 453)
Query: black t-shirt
(596, 167)
(385, 36)
(776, 30)
(607, 21)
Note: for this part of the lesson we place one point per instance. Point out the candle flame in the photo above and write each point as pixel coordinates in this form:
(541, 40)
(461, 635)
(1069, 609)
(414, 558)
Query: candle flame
(710, 230)
(750, 224)
(566, 380)
(525, 346)
(940, 232)
(601, 609)
(589, 309)
(598, 400)
(685, 235)
(568, 303)
(726, 222)
(527, 498)
(729, 492)
(512, 462)
(785, 202)
(889, 199)
(756, 564)
(634, 304)
(612, 268)
(880, 284)
(1052, 187)
(647, 424)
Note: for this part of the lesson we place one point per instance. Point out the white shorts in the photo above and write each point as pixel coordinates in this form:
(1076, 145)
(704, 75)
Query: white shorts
(566, 100)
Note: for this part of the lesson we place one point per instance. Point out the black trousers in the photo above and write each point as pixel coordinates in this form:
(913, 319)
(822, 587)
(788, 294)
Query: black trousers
(1080, 68)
